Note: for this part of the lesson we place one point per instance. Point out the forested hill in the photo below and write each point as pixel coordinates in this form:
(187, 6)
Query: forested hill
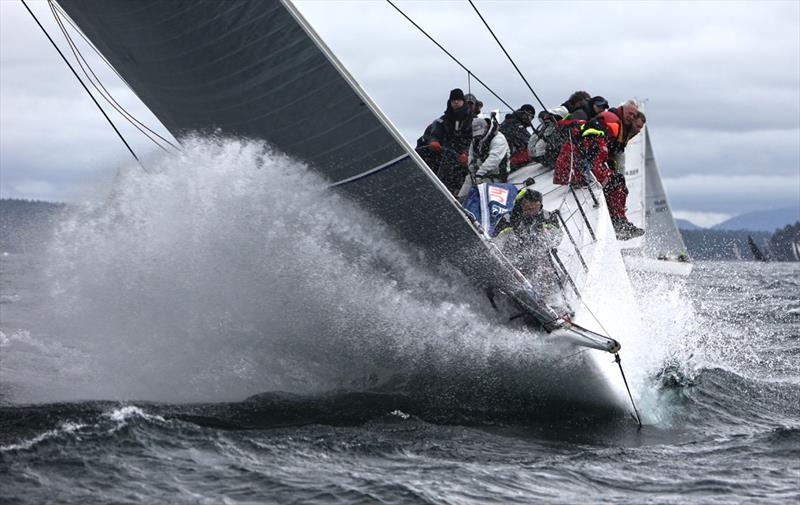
(27, 225)
(731, 245)
(762, 220)
(722, 245)
(783, 243)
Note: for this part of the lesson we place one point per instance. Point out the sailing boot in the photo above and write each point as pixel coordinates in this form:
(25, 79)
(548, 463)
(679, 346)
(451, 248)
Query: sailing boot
(626, 230)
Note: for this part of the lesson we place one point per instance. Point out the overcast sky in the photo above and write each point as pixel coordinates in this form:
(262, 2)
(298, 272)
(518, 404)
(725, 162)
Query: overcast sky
(721, 79)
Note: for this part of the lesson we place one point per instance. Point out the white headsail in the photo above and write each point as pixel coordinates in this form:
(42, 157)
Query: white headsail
(635, 176)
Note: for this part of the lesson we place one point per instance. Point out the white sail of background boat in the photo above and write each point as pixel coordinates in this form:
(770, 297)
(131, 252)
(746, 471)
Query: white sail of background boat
(635, 180)
(662, 248)
(258, 69)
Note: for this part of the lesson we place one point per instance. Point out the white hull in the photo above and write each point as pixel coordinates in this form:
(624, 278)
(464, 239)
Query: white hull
(594, 264)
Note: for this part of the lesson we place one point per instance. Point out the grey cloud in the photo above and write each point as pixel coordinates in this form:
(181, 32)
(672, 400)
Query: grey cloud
(682, 152)
(709, 65)
(722, 80)
(735, 194)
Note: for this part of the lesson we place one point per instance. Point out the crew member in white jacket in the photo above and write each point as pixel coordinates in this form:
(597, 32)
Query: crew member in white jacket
(488, 155)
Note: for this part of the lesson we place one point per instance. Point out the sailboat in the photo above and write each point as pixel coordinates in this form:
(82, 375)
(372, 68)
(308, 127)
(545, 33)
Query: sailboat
(756, 252)
(258, 69)
(661, 249)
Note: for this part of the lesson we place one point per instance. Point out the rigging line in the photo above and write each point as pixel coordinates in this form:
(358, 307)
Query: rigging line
(572, 241)
(507, 55)
(570, 355)
(88, 42)
(618, 361)
(83, 64)
(448, 53)
(84, 86)
(574, 286)
(63, 16)
(572, 190)
(107, 96)
(583, 213)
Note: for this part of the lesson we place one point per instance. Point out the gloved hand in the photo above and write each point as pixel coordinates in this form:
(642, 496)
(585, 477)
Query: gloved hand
(435, 146)
(463, 159)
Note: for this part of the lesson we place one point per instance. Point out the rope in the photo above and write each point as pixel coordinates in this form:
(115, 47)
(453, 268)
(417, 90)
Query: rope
(507, 55)
(570, 356)
(65, 16)
(84, 86)
(101, 89)
(448, 53)
(618, 361)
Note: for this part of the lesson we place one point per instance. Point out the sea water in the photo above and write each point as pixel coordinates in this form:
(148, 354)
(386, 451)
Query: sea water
(228, 330)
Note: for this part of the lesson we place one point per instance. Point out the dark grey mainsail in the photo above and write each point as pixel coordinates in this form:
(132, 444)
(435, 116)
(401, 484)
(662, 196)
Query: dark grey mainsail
(255, 68)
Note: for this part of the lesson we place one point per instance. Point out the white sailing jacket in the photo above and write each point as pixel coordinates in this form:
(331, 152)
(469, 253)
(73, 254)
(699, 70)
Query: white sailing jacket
(498, 149)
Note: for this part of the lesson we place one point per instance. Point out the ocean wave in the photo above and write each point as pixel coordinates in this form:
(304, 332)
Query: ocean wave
(124, 415)
(718, 396)
(64, 428)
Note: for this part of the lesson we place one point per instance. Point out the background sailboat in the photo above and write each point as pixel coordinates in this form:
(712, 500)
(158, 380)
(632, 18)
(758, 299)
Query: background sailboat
(662, 248)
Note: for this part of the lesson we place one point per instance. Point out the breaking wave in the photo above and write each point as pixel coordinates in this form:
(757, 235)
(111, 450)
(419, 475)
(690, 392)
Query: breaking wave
(233, 270)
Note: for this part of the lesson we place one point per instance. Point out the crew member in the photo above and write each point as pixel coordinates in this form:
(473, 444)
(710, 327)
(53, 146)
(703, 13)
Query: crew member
(488, 155)
(616, 191)
(591, 108)
(445, 142)
(515, 128)
(528, 235)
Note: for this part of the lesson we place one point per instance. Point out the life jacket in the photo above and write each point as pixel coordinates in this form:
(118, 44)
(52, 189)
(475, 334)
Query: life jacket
(481, 149)
(596, 136)
(516, 133)
(454, 129)
(589, 143)
(621, 138)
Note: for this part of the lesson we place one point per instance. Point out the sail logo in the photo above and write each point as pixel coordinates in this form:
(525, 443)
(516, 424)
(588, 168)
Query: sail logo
(498, 195)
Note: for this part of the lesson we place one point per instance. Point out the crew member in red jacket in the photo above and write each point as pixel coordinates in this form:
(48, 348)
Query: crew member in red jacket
(616, 191)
